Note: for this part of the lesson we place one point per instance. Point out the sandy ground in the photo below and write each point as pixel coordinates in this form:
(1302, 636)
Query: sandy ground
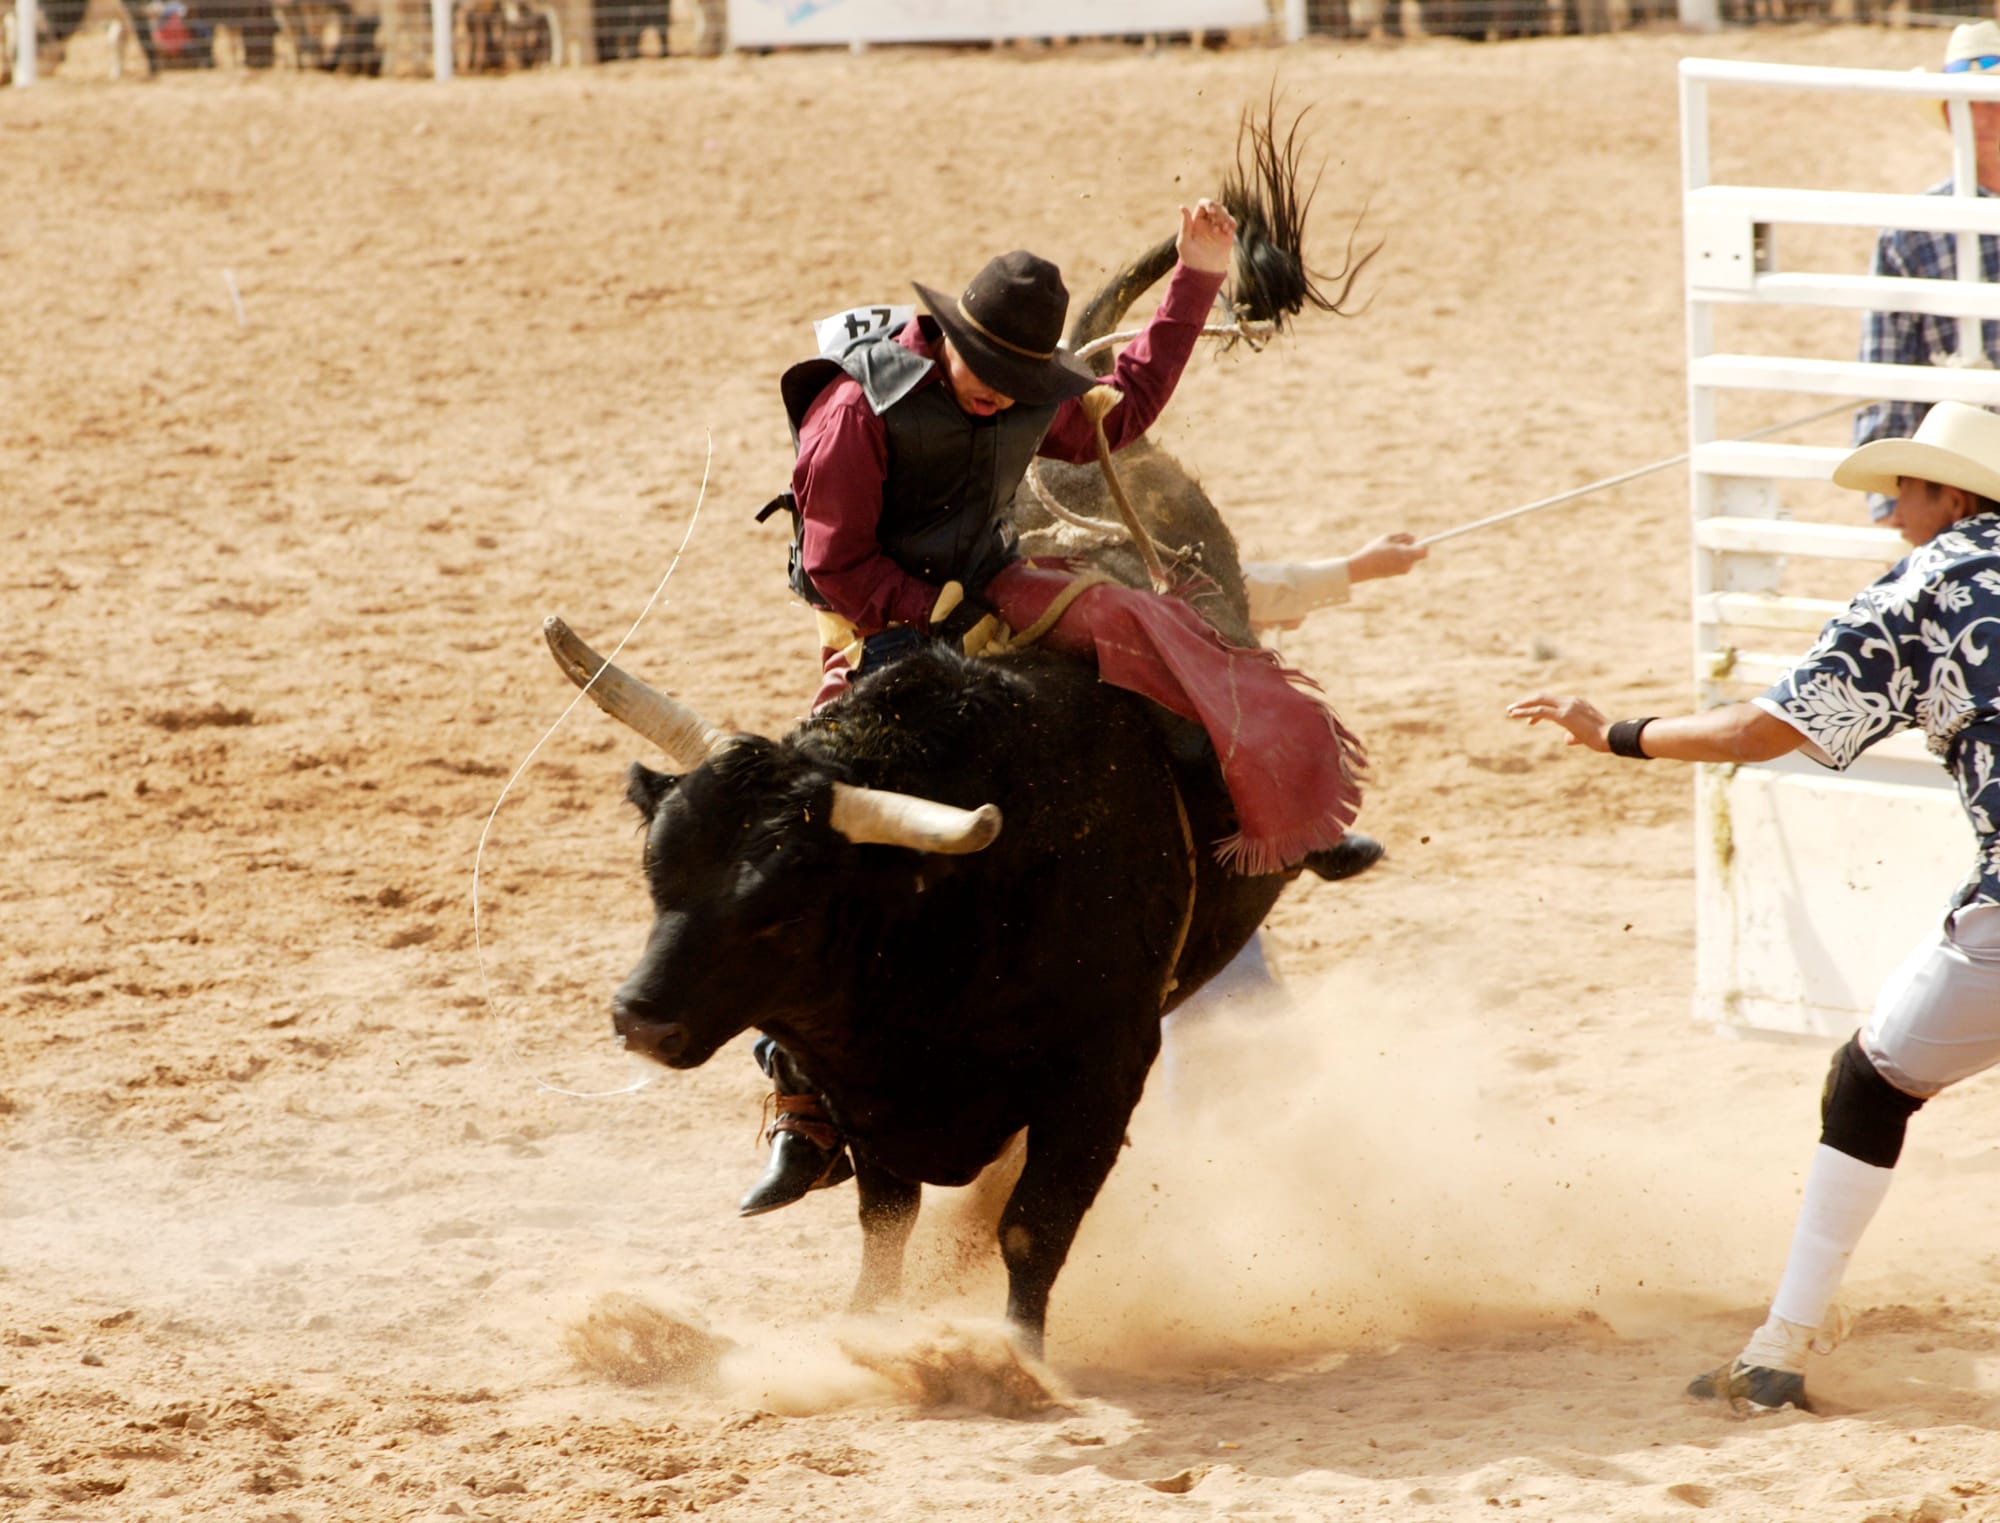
(315, 1202)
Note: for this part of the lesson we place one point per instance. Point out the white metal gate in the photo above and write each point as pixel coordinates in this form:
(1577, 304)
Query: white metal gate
(1810, 885)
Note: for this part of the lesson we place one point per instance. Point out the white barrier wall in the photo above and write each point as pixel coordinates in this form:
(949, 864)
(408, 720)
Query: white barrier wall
(1811, 885)
(786, 23)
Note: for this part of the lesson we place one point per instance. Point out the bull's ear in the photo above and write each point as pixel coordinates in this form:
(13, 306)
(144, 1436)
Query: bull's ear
(647, 789)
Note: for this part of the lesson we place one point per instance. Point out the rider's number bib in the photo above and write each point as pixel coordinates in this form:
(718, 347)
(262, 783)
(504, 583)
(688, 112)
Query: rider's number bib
(835, 333)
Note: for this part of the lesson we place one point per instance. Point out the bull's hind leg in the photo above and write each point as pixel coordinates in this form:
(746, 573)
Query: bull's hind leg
(888, 1212)
(1070, 1154)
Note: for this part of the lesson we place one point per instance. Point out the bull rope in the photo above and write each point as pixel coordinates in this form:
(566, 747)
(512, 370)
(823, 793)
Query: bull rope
(1006, 644)
(479, 856)
(1251, 333)
(1173, 981)
(1106, 531)
(1095, 403)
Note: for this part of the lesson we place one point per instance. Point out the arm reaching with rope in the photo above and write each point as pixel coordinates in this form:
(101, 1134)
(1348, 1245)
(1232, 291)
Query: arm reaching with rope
(1282, 593)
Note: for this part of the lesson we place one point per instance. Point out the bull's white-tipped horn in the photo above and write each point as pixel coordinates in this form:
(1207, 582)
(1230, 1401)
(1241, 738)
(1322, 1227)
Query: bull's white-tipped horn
(687, 739)
(877, 817)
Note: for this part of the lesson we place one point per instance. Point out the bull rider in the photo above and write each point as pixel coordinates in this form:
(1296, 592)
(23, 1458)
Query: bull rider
(910, 446)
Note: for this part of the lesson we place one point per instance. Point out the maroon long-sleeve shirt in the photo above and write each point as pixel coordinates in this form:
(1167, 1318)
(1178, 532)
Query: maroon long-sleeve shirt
(843, 457)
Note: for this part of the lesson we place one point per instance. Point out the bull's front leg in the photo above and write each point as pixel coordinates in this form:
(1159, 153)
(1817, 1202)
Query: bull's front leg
(1070, 1154)
(888, 1212)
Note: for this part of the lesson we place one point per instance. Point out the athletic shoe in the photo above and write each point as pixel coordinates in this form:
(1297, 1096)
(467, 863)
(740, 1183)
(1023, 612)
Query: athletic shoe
(1750, 1389)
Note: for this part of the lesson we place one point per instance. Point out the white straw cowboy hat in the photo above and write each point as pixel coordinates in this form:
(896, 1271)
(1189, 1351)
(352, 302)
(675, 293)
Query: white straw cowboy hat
(1955, 445)
(1974, 48)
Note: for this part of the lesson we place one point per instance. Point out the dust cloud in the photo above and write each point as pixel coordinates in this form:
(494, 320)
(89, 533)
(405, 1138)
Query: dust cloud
(1337, 1168)
(900, 1359)
(1327, 1168)
(632, 1342)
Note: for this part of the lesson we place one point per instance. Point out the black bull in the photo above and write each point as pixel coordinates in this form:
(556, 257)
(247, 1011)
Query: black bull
(943, 1000)
(945, 982)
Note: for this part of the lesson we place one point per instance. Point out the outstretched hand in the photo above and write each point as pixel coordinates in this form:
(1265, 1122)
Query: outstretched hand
(1586, 726)
(1386, 555)
(1207, 235)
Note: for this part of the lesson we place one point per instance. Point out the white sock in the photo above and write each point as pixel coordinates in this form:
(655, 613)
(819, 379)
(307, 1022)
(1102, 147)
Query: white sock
(1779, 1345)
(1842, 1196)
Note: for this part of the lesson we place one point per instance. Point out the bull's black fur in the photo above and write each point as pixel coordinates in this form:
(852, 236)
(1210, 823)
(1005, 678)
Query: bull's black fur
(942, 1004)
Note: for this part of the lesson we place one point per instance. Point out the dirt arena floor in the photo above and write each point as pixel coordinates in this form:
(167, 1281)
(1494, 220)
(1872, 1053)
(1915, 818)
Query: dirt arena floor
(323, 1193)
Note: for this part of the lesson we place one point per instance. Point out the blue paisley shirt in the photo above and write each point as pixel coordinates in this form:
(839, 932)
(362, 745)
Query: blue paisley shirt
(1918, 649)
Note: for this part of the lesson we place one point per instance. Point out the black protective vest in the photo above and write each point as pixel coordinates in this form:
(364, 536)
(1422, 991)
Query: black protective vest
(951, 475)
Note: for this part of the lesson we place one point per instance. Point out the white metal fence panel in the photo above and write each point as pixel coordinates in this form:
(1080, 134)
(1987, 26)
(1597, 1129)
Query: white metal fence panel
(1814, 886)
(777, 23)
(27, 26)
(1810, 885)
(402, 38)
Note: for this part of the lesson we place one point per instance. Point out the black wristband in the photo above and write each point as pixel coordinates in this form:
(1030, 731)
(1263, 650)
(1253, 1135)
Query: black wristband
(1623, 738)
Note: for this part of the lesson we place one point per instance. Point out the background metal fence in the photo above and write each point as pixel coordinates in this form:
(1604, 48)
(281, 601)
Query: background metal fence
(359, 37)
(403, 37)
(1502, 20)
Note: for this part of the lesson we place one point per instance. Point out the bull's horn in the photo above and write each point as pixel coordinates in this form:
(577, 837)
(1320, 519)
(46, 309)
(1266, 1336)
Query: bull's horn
(686, 738)
(876, 817)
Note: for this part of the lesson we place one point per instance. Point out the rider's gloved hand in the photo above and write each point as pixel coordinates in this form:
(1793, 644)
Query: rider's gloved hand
(968, 622)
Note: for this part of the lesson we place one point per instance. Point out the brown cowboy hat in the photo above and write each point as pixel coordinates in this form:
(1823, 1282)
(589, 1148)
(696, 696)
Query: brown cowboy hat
(1008, 327)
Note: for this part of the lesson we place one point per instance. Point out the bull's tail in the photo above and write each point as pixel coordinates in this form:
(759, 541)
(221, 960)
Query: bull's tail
(1111, 303)
(1270, 280)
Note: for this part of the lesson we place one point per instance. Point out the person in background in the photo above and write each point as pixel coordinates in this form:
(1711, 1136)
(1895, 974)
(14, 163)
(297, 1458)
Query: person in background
(1915, 338)
(1909, 652)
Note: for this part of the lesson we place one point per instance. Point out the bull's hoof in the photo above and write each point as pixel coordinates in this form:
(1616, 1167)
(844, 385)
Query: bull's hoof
(1355, 854)
(798, 1165)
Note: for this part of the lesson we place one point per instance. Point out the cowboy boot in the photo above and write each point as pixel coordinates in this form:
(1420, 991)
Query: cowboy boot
(1355, 854)
(806, 1154)
(807, 1151)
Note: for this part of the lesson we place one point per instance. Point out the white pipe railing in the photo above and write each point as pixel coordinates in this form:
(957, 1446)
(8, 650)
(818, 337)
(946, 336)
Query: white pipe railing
(441, 39)
(27, 52)
(1793, 929)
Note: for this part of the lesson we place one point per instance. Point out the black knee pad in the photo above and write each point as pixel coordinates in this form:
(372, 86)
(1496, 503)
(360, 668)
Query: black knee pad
(1861, 1113)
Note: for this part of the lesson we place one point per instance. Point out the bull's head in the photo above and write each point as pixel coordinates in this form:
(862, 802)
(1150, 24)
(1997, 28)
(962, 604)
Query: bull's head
(744, 848)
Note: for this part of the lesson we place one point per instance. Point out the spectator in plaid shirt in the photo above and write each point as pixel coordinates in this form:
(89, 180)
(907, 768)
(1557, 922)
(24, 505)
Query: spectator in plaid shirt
(1910, 338)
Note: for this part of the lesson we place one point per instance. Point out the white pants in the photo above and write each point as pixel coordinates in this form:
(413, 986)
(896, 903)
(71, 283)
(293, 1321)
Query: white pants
(1937, 1019)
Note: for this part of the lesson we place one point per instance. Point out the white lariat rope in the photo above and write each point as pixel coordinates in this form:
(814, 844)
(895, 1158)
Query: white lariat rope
(1625, 476)
(1253, 331)
(479, 856)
